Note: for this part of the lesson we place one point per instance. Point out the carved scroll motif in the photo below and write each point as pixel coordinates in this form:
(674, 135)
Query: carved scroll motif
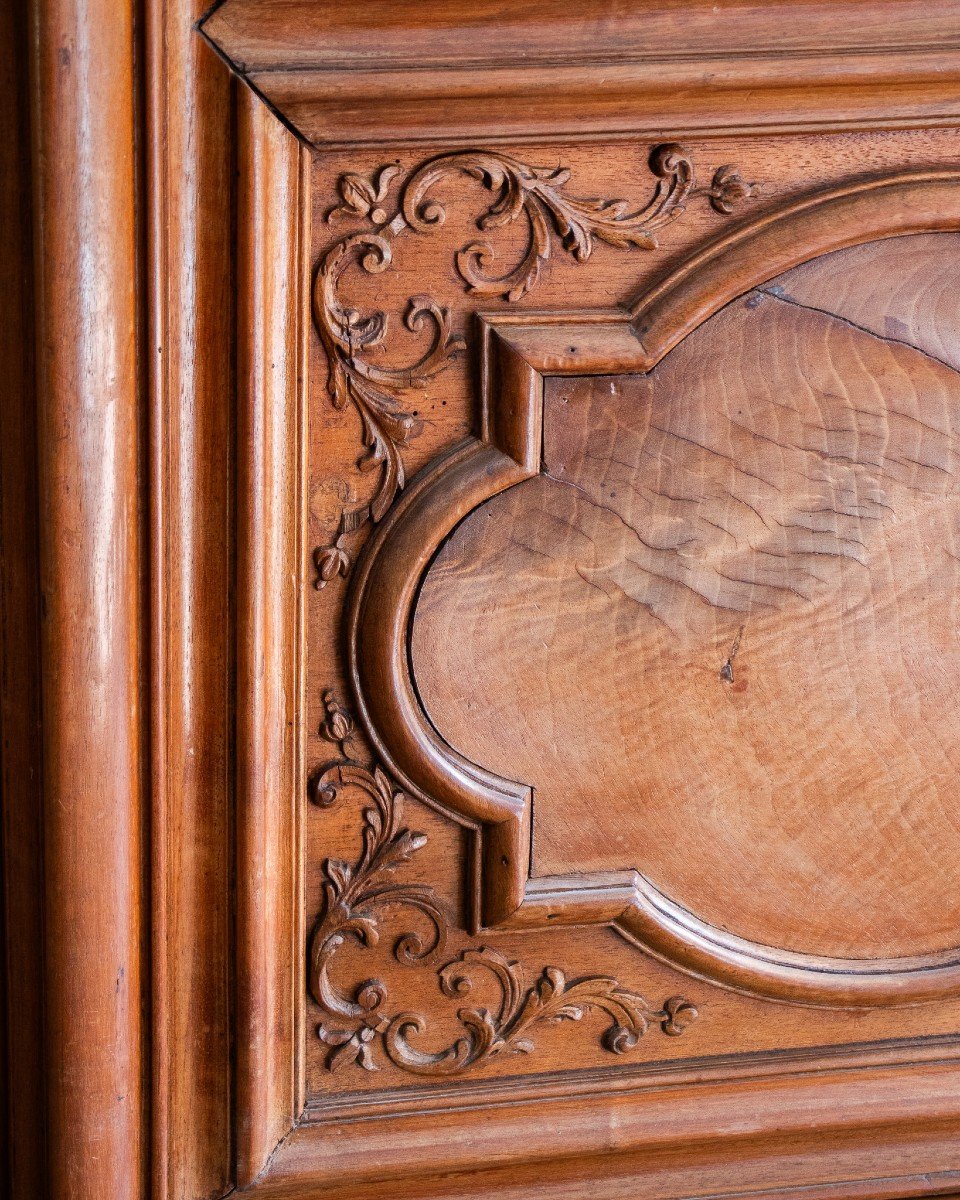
(355, 896)
(377, 393)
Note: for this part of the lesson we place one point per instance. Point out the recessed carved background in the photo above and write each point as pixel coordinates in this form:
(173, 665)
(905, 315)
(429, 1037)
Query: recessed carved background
(718, 633)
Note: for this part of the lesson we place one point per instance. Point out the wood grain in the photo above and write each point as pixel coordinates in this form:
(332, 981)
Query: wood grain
(611, 1137)
(520, 352)
(186, 666)
(92, 635)
(730, 592)
(269, 591)
(189, 167)
(398, 73)
(322, 33)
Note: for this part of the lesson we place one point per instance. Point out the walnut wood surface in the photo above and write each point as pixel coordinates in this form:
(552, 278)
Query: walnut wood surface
(609, 1138)
(88, 390)
(518, 352)
(539, 70)
(269, 582)
(715, 633)
(189, 168)
(315, 33)
(233, 354)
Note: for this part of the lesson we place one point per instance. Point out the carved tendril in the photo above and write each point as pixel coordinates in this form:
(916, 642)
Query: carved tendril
(377, 393)
(552, 999)
(354, 896)
(538, 193)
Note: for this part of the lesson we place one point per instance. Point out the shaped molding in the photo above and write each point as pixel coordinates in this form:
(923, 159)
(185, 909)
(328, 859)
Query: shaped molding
(520, 350)
(543, 72)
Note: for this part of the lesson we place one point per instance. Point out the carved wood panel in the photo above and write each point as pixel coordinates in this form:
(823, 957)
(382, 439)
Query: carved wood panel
(535, 684)
(538, 581)
(439, 946)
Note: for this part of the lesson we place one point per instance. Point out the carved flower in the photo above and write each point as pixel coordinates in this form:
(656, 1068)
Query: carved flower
(330, 562)
(729, 188)
(350, 1046)
(678, 1015)
(337, 724)
(363, 197)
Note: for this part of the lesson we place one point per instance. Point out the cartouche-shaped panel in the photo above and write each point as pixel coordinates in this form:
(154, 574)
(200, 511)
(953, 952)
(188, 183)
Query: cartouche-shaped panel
(718, 634)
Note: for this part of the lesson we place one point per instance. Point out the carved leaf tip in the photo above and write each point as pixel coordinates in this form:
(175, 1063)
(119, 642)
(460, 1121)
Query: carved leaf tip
(338, 725)
(678, 1015)
(361, 197)
(356, 893)
(330, 562)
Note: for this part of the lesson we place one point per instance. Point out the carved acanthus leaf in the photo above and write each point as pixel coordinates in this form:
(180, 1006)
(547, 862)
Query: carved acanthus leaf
(538, 192)
(355, 895)
(363, 197)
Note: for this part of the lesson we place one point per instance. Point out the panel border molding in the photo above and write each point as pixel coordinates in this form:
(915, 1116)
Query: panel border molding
(519, 351)
(659, 1131)
(536, 78)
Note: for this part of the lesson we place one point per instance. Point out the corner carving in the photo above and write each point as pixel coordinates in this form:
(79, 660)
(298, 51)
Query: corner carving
(354, 1026)
(377, 393)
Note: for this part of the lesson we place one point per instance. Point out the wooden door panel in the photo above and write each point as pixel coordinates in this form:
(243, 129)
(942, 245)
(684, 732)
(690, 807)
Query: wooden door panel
(567, 821)
(533, 464)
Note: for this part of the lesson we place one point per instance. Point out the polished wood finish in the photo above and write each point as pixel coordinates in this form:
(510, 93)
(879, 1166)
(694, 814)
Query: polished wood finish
(272, 284)
(89, 407)
(520, 352)
(380, 813)
(189, 169)
(642, 1145)
(708, 555)
(539, 70)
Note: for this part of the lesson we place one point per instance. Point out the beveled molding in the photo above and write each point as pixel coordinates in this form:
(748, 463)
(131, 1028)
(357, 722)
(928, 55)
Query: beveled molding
(519, 350)
(666, 1132)
(660, 1132)
(391, 73)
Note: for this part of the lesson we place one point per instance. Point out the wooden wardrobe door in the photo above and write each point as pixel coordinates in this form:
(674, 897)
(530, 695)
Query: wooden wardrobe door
(481, 543)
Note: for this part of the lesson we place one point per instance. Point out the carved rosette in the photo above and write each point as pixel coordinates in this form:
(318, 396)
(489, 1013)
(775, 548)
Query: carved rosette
(538, 195)
(355, 898)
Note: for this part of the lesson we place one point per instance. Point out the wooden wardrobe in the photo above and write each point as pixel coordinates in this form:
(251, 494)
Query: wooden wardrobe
(480, 599)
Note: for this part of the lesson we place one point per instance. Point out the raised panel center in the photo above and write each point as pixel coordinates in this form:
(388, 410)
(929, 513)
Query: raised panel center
(718, 634)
